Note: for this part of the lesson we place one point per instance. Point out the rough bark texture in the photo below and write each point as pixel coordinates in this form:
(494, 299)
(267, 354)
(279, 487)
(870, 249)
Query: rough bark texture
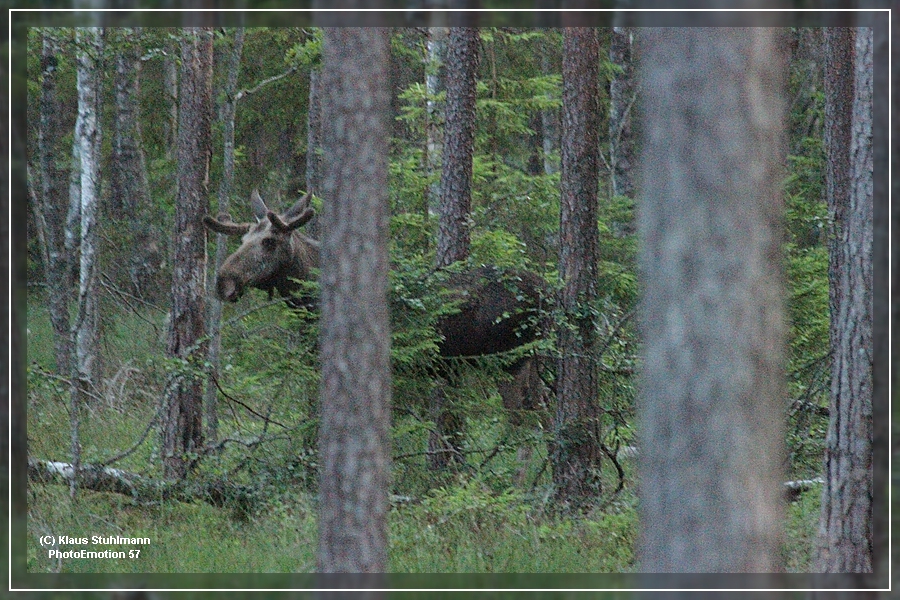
(355, 338)
(711, 396)
(881, 306)
(576, 451)
(435, 79)
(455, 206)
(53, 209)
(845, 529)
(621, 103)
(182, 430)
(838, 84)
(459, 144)
(214, 323)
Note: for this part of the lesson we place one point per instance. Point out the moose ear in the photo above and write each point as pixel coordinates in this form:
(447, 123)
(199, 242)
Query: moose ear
(260, 210)
(278, 223)
(297, 209)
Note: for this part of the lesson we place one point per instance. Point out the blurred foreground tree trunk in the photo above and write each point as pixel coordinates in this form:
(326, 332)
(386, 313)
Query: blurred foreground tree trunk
(711, 402)
(354, 445)
(182, 432)
(575, 456)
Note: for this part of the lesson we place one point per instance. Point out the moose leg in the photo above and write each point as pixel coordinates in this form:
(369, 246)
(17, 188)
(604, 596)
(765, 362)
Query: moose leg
(445, 440)
(524, 391)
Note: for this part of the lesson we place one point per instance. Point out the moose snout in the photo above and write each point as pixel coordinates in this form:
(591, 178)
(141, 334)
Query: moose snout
(227, 289)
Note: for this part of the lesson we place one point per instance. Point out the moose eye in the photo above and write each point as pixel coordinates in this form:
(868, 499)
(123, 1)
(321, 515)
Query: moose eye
(269, 244)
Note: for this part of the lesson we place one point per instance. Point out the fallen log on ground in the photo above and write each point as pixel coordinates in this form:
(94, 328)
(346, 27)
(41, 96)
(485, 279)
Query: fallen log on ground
(219, 493)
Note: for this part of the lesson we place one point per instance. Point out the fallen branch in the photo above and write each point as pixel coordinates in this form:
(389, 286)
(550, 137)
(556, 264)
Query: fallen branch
(143, 489)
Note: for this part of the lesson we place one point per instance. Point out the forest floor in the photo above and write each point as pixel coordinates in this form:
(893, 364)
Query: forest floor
(470, 522)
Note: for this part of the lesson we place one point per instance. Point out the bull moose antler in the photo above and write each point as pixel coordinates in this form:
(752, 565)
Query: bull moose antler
(296, 216)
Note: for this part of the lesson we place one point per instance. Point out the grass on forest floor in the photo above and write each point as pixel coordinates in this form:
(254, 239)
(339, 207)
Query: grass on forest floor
(469, 524)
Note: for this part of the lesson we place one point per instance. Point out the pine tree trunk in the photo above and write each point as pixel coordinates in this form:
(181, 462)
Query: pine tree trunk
(355, 338)
(454, 208)
(845, 530)
(214, 324)
(576, 449)
(711, 401)
(459, 143)
(183, 426)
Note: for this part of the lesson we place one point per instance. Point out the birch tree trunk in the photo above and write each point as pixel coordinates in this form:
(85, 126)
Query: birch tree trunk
(87, 136)
(355, 339)
(183, 433)
(576, 450)
(845, 530)
(711, 402)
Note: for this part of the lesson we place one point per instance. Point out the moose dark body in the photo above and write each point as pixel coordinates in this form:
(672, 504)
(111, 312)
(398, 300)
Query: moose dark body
(498, 310)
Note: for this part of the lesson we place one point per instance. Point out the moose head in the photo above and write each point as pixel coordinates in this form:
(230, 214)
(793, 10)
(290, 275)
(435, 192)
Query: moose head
(273, 252)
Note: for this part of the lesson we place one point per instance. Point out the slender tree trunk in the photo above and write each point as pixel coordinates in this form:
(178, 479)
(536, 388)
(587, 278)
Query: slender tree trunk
(355, 342)
(711, 400)
(52, 209)
(576, 449)
(214, 325)
(170, 85)
(435, 79)
(845, 530)
(549, 116)
(454, 208)
(130, 190)
(621, 103)
(182, 432)
(87, 136)
(459, 145)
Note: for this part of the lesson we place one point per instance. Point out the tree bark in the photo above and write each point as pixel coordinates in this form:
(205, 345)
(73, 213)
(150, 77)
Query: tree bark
(435, 79)
(712, 392)
(355, 338)
(576, 449)
(52, 209)
(454, 209)
(845, 530)
(214, 324)
(130, 190)
(459, 145)
(87, 142)
(87, 132)
(182, 429)
(621, 103)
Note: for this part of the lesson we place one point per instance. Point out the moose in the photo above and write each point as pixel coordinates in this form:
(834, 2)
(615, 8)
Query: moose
(497, 311)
